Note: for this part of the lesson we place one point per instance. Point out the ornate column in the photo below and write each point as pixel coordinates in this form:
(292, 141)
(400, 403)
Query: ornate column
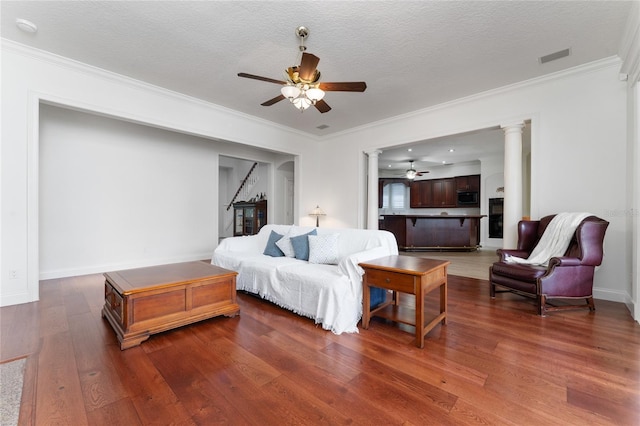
(512, 211)
(372, 189)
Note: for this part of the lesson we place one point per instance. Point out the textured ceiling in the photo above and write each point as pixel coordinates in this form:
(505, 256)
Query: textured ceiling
(412, 55)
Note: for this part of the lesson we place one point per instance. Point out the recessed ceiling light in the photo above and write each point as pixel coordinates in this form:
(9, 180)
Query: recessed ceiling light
(451, 150)
(389, 165)
(26, 26)
(409, 150)
(444, 162)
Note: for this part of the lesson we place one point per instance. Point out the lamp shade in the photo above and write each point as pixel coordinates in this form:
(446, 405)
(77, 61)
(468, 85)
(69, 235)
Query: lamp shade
(411, 174)
(301, 103)
(317, 212)
(290, 92)
(315, 94)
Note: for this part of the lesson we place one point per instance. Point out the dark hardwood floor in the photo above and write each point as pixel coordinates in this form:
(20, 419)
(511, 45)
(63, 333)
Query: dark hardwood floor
(495, 362)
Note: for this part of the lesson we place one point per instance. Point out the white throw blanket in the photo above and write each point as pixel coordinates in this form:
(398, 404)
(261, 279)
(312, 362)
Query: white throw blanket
(554, 241)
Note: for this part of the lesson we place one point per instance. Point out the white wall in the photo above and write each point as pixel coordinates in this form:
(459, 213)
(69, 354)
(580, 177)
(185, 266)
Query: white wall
(115, 194)
(31, 77)
(284, 180)
(578, 131)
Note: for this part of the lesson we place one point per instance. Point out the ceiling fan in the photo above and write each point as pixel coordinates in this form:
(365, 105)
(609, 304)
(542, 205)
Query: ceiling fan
(302, 86)
(411, 172)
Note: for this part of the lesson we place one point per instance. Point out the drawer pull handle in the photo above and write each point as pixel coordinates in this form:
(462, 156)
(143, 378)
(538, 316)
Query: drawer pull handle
(387, 280)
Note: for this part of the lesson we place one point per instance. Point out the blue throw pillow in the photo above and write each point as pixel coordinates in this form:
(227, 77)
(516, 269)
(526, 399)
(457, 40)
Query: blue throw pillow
(272, 249)
(301, 245)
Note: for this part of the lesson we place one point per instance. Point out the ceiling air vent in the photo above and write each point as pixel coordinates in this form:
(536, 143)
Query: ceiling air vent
(553, 56)
(322, 126)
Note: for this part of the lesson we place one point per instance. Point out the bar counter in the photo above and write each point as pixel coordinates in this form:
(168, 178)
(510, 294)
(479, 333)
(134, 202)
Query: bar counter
(434, 232)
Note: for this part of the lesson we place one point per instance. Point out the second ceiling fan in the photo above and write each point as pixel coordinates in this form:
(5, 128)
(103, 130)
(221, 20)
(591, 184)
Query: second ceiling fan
(411, 172)
(302, 86)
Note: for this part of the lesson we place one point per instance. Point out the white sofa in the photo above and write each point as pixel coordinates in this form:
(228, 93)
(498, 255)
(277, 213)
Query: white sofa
(331, 294)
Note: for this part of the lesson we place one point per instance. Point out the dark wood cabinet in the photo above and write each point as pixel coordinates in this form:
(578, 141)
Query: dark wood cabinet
(442, 232)
(421, 193)
(468, 183)
(444, 193)
(397, 225)
(433, 193)
(439, 193)
(249, 217)
(468, 191)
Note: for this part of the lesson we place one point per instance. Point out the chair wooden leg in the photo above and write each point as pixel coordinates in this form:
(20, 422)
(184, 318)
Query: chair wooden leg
(541, 301)
(592, 306)
(492, 286)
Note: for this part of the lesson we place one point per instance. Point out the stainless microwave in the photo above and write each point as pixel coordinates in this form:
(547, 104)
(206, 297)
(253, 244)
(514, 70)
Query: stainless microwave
(467, 198)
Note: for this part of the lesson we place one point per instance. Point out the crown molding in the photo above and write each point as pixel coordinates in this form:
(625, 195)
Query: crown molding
(612, 61)
(77, 66)
(108, 75)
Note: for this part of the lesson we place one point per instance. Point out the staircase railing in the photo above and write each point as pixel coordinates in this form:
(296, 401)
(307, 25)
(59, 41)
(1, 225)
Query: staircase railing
(242, 184)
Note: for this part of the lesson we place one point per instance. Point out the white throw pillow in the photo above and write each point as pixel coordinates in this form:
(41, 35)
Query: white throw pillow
(324, 249)
(284, 243)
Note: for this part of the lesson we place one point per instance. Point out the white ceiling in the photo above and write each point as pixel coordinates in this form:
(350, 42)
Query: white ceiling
(437, 153)
(412, 54)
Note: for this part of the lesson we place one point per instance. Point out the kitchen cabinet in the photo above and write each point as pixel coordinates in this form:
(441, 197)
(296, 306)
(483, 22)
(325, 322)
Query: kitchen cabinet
(443, 193)
(249, 217)
(421, 193)
(434, 232)
(433, 193)
(468, 183)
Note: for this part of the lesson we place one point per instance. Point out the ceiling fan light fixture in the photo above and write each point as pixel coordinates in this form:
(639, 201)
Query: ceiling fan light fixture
(290, 92)
(411, 174)
(301, 82)
(301, 103)
(314, 94)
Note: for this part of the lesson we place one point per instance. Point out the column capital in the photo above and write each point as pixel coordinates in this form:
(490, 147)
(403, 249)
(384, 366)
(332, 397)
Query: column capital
(373, 153)
(513, 127)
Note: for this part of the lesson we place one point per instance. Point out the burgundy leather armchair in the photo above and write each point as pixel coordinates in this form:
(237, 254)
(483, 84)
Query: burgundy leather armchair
(567, 277)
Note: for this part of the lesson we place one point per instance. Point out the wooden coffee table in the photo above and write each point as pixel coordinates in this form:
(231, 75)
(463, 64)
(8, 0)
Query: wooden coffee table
(140, 302)
(407, 274)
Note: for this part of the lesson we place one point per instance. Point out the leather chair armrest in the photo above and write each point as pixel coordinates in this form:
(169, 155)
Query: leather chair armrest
(564, 261)
(511, 252)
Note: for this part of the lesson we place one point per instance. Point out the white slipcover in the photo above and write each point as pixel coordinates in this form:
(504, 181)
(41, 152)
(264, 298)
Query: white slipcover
(329, 294)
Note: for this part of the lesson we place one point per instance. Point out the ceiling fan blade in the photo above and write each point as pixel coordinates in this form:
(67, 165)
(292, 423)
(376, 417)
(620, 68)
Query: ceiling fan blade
(272, 101)
(346, 86)
(322, 106)
(257, 77)
(308, 66)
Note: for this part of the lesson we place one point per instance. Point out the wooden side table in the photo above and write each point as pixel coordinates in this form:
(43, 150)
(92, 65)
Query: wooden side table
(407, 274)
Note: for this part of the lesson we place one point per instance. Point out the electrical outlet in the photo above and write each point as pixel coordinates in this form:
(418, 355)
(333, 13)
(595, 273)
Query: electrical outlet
(13, 274)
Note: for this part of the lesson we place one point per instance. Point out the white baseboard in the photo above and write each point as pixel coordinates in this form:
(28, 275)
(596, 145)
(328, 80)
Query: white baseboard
(610, 295)
(99, 269)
